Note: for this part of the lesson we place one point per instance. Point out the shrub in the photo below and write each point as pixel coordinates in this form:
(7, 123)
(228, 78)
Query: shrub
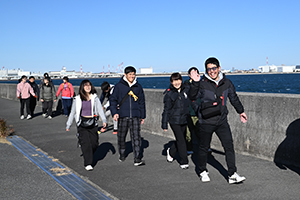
(4, 129)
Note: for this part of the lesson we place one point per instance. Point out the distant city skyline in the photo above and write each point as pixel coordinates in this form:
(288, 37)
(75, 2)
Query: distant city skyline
(167, 35)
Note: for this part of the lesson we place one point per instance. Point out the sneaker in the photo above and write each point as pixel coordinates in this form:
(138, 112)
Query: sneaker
(22, 117)
(44, 114)
(235, 178)
(122, 158)
(49, 117)
(89, 168)
(102, 130)
(185, 166)
(28, 117)
(138, 162)
(115, 132)
(66, 116)
(204, 176)
(169, 157)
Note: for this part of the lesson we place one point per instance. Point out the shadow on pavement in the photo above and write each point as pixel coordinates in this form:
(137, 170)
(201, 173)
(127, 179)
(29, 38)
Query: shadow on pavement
(168, 145)
(287, 154)
(211, 161)
(102, 151)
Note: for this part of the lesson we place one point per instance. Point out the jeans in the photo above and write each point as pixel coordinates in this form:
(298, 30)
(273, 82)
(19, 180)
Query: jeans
(67, 104)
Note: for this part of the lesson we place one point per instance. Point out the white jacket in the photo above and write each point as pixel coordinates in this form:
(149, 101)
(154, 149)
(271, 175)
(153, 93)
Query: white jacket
(76, 110)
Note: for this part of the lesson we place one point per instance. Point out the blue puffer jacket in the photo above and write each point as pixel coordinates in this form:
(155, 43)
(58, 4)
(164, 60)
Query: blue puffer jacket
(131, 107)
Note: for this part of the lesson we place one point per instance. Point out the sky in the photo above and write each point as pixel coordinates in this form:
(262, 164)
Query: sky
(167, 35)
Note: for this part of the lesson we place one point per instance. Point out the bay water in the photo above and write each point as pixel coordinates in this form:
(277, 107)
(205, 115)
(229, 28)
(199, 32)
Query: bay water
(264, 83)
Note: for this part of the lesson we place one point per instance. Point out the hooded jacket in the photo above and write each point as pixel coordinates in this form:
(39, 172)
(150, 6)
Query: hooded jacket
(176, 106)
(131, 107)
(76, 110)
(209, 90)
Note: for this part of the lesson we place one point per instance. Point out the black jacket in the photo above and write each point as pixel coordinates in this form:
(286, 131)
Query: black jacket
(131, 107)
(207, 91)
(176, 106)
(36, 89)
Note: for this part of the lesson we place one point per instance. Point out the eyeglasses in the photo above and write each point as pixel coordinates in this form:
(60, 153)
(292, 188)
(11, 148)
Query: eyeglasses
(213, 69)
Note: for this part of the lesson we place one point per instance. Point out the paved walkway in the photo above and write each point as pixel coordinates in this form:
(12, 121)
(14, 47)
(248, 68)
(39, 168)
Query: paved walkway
(22, 179)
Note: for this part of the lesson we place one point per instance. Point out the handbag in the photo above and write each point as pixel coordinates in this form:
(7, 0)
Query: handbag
(88, 122)
(210, 109)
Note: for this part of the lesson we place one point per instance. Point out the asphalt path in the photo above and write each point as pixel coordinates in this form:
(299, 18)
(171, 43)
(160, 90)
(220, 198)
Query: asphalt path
(155, 180)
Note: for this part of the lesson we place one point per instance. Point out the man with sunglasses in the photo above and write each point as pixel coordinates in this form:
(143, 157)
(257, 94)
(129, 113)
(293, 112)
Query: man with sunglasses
(213, 90)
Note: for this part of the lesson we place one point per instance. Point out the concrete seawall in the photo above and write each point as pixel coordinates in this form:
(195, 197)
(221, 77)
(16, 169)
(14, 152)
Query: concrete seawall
(269, 116)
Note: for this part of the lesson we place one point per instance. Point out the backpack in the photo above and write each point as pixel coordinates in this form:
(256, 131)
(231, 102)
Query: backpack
(68, 86)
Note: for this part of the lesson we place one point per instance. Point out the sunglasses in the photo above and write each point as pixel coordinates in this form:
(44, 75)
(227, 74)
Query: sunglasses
(213, 69)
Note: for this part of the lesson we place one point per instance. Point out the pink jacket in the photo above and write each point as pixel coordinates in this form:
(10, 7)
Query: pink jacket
(24, 90)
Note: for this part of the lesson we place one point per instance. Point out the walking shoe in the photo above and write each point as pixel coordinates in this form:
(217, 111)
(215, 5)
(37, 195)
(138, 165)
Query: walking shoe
(122, 158)
(169, 157)
(235, 178)
(89, 168)
(185, 166)
(138, 162)
(44, 115)
(102, 130)
(49, 117)
(22, 117)
(204, 176)
(28, 117)
(115, 132)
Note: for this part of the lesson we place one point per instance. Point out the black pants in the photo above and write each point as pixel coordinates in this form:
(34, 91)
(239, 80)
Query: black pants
(88, 140)
(32, 104)
(224, 134)
(179, 146)
(23, 103)
(134, 124)
(47, 107)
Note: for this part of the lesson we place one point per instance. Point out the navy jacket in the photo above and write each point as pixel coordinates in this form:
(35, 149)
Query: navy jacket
(131, 107)
(207, 91)
(176, 106)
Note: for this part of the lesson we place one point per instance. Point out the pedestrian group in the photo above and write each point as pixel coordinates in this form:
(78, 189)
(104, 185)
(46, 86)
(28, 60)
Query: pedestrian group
(194, 110)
